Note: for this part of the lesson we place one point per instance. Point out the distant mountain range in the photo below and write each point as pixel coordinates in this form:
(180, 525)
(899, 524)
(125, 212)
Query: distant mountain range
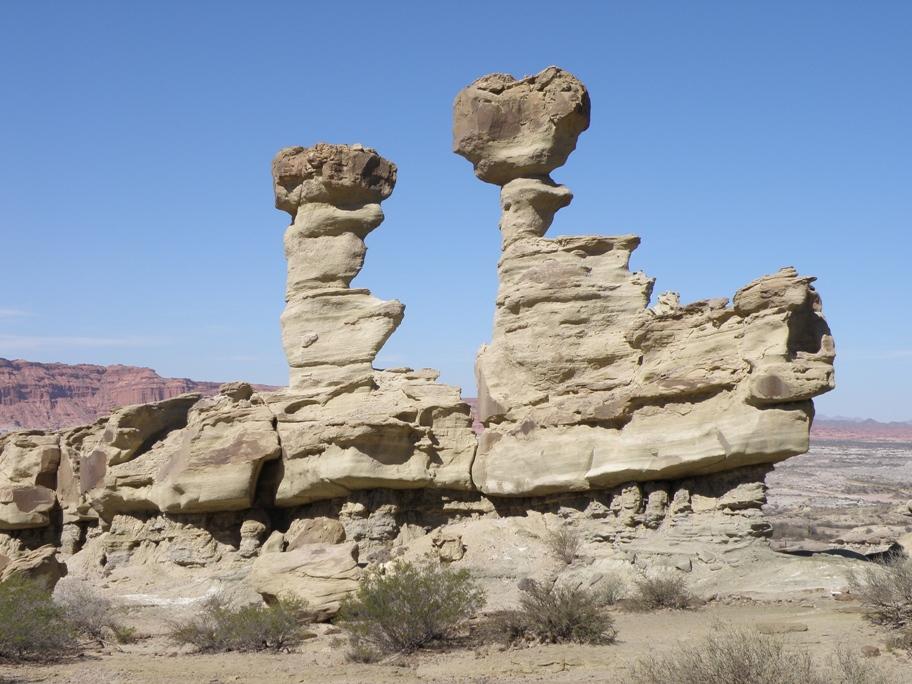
(58, 395)
(860, 429)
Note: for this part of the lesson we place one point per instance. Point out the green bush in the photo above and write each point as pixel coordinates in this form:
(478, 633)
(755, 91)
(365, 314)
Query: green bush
(219, 628)
(32, 626)
(407, 607)
(885, 589)
(667, 590)
(552, 613)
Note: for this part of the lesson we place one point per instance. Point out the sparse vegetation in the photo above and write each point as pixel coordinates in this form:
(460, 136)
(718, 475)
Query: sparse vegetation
(612, 588)
(747, 657)
(92, 614)
(885, 589)
(32, 626)
(124, 634)
(407, 607)
(553, 613)
(563, 543)
(219, 628)
(665, 590)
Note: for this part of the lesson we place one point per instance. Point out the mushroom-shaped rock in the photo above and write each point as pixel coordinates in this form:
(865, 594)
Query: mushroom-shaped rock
(335, 174)
(523, 128)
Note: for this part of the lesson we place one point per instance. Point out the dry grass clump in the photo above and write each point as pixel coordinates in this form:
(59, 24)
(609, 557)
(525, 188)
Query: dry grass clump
(92, 614)
(612, 588)
(32, 626)
(407, 607)
(219, 628)
(666, 590)
(563, 543)
(885, 589)
(747, 657)
(552, 613)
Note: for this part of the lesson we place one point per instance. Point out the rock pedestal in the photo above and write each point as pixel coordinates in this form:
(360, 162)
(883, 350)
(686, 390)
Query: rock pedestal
(332, 332)
(583, 386)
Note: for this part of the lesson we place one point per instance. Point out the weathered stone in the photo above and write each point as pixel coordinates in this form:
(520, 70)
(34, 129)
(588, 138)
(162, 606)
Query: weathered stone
(253, 529)
(319, 574)
(336, 174)
(449, 547)
(583, 385)
(39, 565)
(28, 469)
(511, 128)
(212, 464)
(407, 432)
(320, 530)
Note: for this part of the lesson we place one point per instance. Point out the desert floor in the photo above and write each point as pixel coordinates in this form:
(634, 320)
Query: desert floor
(816, 622)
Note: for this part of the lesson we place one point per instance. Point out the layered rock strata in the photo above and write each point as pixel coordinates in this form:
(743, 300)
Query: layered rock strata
(583, 385)
(601, 414)
(344, 425)
(340, 426)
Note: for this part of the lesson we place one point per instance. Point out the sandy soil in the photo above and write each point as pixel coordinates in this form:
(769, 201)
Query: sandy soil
(818, 623)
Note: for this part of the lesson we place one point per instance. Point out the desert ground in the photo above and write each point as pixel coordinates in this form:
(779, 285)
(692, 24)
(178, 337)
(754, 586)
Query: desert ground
(812, 620)
(842, 498)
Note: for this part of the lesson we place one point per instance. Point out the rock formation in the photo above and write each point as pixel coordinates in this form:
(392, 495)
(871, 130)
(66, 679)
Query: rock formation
(344, 425)
(583, 386)
(599, 413)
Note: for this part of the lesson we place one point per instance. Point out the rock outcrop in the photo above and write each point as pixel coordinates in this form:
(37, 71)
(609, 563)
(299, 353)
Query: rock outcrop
(583, 385)
(344, 425)
(598, 413)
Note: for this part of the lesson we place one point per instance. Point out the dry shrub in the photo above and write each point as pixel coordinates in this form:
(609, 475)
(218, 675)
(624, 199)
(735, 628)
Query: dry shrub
(219, 628)
(747, 657)
(666, 590)
(885, 589)
(124, 634)
(89, 612)
(612, 588)
(850, 668)
(553, 613)
(32, 626)
(563, 543)
(407, 607)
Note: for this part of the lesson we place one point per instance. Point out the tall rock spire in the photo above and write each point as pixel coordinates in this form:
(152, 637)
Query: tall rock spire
(332, 332)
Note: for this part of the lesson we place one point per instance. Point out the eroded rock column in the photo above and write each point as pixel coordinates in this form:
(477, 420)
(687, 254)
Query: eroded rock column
(584, 386)
(332, 332)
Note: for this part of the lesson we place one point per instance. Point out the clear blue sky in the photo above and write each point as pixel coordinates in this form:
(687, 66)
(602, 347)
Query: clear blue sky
(136, 209)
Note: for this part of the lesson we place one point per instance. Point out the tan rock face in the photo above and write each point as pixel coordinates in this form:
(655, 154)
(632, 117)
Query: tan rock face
(344, 425)
(28, 468)
(332, 333)
(209, 461)
(319, 574)
(583, 385)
